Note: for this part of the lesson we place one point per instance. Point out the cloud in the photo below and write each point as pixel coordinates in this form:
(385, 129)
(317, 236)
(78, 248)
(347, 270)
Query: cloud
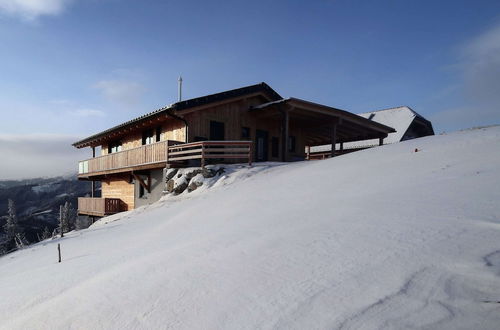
(477, 89)
(31, 9)
(42, 155)
(121, 91)
(88, 113)
(481, 67)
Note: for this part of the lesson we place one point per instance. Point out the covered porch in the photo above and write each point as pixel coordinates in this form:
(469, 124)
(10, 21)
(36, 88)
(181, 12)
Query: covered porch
(318, 125)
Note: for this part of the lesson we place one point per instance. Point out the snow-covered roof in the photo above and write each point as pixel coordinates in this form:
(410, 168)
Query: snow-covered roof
(399, 118)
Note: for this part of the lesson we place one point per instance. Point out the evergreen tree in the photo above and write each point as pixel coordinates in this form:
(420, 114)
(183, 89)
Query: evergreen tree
(11, 227)
(66, 217)
(46, 233)
(20, 240)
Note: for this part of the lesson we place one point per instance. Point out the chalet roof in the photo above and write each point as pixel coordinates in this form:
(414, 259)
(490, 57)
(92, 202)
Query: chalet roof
(182, 105)
(400, 118)
(345, 115)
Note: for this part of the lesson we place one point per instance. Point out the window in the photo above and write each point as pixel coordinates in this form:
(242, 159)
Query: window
(216, 130)
(291, 143)
(114, 146)
(275, 145)
(245, 133)
(158, 134)
(148, 136)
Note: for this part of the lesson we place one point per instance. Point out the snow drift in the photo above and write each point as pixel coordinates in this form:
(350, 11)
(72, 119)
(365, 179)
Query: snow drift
(384, 238)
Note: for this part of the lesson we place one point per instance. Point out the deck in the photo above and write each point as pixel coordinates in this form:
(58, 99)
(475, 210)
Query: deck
(99, 207)
(163, 153)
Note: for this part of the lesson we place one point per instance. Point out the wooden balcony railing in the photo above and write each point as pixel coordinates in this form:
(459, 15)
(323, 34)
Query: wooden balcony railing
(204, 150)
(165, 152)
(150, 154)
(99, 206)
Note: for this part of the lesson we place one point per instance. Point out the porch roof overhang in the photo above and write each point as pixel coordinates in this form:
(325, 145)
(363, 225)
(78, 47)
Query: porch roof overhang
(317, 119)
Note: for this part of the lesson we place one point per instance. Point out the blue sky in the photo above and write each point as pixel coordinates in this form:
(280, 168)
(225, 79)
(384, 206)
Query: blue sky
(70, 68)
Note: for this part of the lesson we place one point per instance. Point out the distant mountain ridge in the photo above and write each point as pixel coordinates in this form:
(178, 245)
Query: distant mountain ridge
(37, 201)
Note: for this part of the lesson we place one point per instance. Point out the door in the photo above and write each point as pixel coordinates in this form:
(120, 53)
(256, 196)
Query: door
(216, 130)
(261, 146)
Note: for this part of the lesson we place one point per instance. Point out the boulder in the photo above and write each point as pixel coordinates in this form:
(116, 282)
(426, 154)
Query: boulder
(191, 173)
(180, 185)
(195, 182)
(170, 173)
(170, 186)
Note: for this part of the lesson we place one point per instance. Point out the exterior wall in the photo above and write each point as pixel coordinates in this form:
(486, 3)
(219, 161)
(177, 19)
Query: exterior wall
(119, 187)
(157, 187)
(235, 115)
(172, 129)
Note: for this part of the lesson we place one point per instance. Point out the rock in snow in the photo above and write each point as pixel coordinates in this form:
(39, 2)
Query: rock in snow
(384, 238)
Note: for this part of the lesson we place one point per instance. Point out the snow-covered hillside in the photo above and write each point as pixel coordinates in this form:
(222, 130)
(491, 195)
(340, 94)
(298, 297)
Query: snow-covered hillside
(386, 238)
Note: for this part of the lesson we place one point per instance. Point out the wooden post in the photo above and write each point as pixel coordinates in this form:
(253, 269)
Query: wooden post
(341, 146)
(166, 152)
(380, 141)
(202, 155)
(285, 128)
(93, 182)
(334, 138)
(250, 153)
(308, 152)
(59, 251)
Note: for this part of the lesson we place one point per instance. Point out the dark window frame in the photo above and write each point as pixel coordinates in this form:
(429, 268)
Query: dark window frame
(275, 147)
(292, 141)
(115, 146)
(245, 133)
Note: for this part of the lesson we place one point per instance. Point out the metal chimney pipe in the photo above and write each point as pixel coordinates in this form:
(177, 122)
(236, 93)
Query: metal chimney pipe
(180, 88)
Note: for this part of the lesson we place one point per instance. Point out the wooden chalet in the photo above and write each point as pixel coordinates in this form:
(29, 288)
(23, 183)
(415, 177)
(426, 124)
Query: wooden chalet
(249, 124)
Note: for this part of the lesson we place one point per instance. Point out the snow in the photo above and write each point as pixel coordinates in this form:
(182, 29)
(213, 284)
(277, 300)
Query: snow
(45, 188)
(384, 238)
(399, 118)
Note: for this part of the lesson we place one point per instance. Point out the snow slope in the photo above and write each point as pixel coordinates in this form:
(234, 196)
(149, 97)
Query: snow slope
(385, 238)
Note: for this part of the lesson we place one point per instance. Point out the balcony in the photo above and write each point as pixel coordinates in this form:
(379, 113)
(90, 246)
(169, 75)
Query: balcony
(99, 207)
(160, 154)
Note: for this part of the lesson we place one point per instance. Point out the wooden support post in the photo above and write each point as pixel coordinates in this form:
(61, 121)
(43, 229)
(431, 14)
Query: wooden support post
(334, 138)
(285, 136)
(59, 251)
(166, 152)
(380, 141)
(341, 146)
(142, 183)
(149, 182)
(92, 193)
(202, 155)
(250, 154)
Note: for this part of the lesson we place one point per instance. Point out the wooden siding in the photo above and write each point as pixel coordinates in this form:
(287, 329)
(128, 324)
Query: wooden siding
(235, 115)
(171, 129)
(119, 187)
(99, 206)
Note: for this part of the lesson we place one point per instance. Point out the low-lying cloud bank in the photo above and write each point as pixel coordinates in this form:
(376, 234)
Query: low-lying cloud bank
(29, 156)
